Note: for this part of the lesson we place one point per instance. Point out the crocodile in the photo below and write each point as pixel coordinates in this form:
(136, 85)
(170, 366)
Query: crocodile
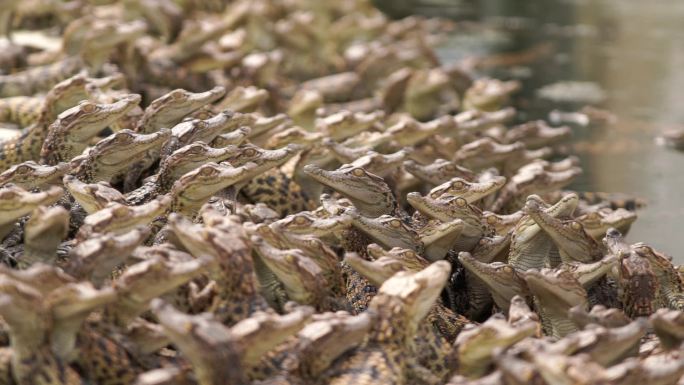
(399, 308)
(111, 156)
(68, 136)
(237, 288)
(31, 175)
(16, 202)
(504, 281)
(531, 247)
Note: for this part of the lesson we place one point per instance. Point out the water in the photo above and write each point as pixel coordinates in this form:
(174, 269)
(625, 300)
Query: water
(634, 51)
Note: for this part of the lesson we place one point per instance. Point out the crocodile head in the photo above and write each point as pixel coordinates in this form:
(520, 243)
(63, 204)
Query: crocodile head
(669, 327)
(30, 175)
(369, 193)
(307, 223)
(170, 108)
(439, 237)
(119, 218)
(188, 158)
(403, 301)
(43, 232)
(437, 172)
(638, 285)
(293, 135)
(381, 164)
(475, 345)
(569, 235)
(486, 152)
(556, 292)
(447, 209)
(301, 276)
(69, 134)
(470, 191)
(63, 96)
(117, 152)
(503, 280)
(16, 202)
(501, 224)
(194, 188)
(387, 230)
(597, 222)
(377, 271)
(94, 196)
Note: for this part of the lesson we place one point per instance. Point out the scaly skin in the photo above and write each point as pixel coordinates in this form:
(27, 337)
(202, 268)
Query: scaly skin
(596, 223)
(43, 233)
(669, 327)
(370, 194)
(532, 180)
(62, 96)
(101, 38)
(68, 136)
(193, 189)
(345, 124)
(438, 238)
(386, 230)
(530, 246)
(22, 307)
(96, 258)
(574, 244)
(438, 172)
(168, 110)
(237, 287)
(400, 307)
(203, 130)
(172, 167)
(302, 278)
(117, 218)
(116, 153)
(486, 152)
(555, 292)
(671, 288)
(94, 196)
(479, 297)
(502, 280)
(207, 343)
(470, 191)
(475, 346)
(16, 202)
(31, 175)
(433, 341)
(449, 208)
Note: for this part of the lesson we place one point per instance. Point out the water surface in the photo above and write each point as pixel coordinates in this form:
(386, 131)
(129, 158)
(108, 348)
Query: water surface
(633, 51)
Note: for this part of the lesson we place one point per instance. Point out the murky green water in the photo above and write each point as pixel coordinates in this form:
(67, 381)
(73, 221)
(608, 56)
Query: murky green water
(633, 50)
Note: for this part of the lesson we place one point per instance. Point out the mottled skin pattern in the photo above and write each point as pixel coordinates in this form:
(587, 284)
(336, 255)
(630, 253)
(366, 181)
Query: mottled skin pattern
(278, 191)
(20, 110)
(104, 361)
(237, 295)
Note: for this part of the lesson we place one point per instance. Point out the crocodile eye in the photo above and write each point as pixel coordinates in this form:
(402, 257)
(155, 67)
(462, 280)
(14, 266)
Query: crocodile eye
(507, 269)
(88, 107)
(491, 220)
(395, 223)
(575, 225)
(250, 152)
(460, 202)
(206, 171)
(300, 220)
(458, 185)
(290, 258)
(177, 94)
(358, 172)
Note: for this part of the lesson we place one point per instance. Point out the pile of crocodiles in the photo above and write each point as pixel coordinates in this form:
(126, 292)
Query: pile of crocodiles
(299, 192)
